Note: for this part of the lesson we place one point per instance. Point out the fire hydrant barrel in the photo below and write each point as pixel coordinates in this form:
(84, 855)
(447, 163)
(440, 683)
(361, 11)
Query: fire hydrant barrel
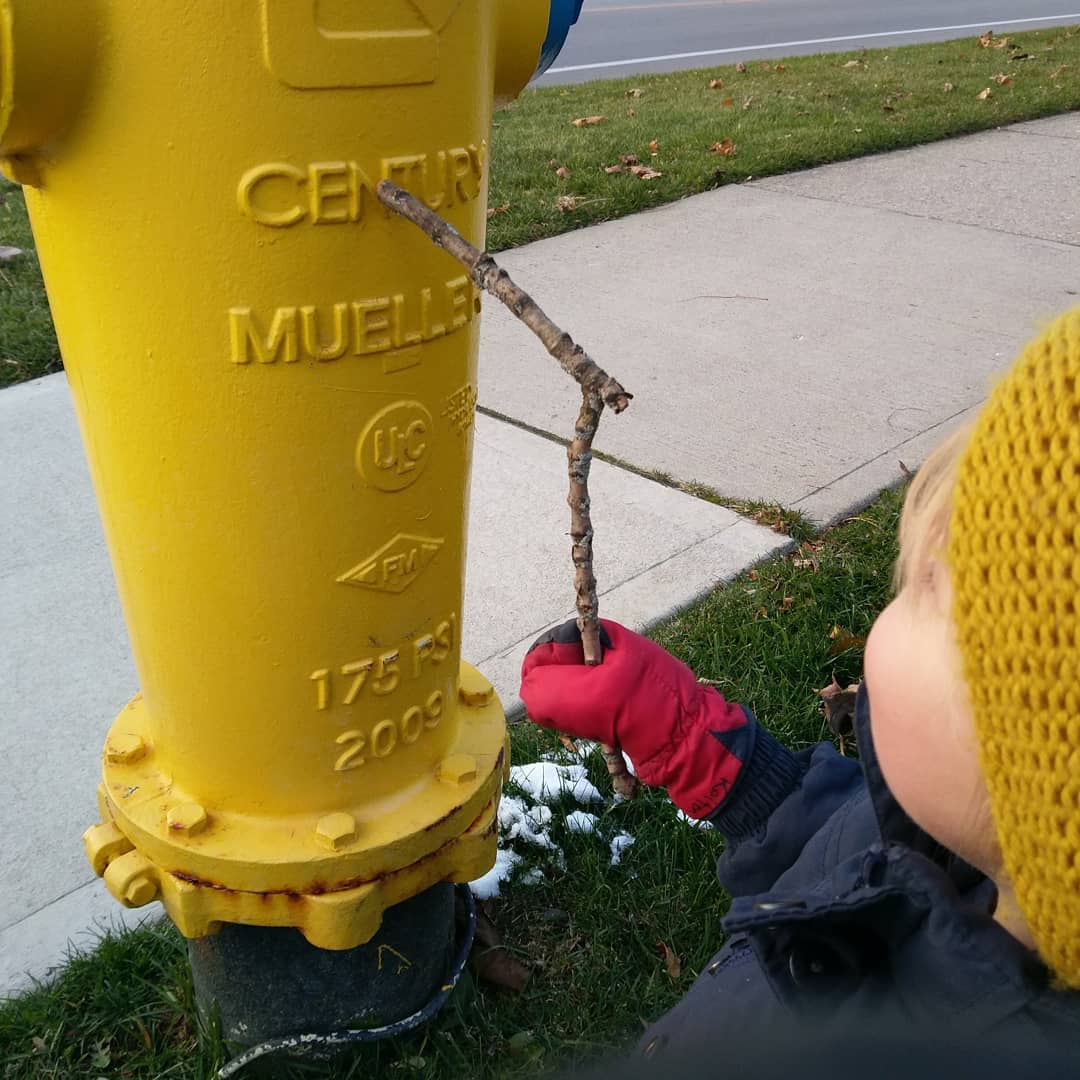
(276, 383)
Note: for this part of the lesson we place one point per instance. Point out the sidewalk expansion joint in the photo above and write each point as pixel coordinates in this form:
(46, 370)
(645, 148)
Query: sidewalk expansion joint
(503, 653)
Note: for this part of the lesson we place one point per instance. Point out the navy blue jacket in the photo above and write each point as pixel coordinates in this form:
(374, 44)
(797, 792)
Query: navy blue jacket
(843, 912)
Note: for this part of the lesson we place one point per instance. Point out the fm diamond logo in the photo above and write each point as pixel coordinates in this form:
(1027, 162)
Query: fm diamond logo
(396, 565)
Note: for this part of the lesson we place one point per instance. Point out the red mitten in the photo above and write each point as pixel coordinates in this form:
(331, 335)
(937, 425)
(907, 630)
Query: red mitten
(679, 734)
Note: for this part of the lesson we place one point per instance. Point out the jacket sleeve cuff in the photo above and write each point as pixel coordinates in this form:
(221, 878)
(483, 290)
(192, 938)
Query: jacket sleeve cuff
(768, 776)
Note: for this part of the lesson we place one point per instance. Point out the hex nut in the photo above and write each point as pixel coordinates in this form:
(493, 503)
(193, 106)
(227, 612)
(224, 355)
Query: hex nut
(335, 831)
(104, 843)
(474, 691)
(188, 819)
(458, 769)
(141, 891)
(124, 747)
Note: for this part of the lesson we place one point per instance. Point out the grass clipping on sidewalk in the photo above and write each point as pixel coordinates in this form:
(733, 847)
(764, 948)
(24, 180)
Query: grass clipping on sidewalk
(676, 135)
(611, 946)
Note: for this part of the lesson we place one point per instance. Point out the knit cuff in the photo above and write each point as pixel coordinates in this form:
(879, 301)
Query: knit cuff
(770, 775)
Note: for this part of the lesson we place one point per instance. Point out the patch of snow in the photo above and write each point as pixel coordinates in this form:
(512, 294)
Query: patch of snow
(619, 844)
(545, 781)
(534, 877)
(516, 820)
(581, 822)
(487, 887)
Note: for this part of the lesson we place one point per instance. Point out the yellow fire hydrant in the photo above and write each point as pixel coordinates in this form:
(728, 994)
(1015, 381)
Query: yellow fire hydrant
(275, 381)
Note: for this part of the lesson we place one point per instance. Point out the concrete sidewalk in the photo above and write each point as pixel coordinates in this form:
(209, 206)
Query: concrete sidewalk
(793, 339)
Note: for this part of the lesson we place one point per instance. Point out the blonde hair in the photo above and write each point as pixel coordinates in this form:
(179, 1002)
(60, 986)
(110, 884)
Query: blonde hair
(924, 538)
(924, 523)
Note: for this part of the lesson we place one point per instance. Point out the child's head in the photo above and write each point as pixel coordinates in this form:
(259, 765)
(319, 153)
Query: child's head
(974, 669)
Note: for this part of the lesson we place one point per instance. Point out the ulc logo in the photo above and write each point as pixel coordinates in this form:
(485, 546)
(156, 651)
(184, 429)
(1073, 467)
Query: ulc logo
(395, 446)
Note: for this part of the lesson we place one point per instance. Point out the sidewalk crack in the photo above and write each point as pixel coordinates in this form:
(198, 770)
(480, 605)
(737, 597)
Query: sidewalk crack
(764, 185)
(885, 453)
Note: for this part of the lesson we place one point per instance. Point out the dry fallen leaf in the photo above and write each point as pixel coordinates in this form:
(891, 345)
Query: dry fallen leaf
(654, 147)
(643, 172)
(634, 92)
(948, 88)
(562, 172)
(566, 202)
(1003, 79)
(716, 84)
(728, 101)
(614, 169)
(780, 67)
(748, 102)
(493, 210)
(628, 159)
(839, 704)
(671, 961)
(761, 613)
(842, 640)
(753, 575)
(804, 558)
(788, 601)
(725, 147)
(982, 95)
(588, 121)
(492, 963)
(740, 68)
(988, 41)
(855, 63)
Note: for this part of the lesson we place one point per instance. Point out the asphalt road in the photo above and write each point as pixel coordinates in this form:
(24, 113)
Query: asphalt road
(627, 37)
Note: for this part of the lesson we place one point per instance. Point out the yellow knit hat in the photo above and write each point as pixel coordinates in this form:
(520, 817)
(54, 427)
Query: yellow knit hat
(1014, 558)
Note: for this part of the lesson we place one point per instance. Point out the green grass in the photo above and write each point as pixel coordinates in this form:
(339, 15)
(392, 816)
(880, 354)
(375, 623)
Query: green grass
(785, 115)
(590, 931)
(27, 342)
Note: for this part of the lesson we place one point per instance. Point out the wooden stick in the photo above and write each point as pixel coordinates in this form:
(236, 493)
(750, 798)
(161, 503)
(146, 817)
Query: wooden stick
(488, 275)
(579, 460)
(597, 390)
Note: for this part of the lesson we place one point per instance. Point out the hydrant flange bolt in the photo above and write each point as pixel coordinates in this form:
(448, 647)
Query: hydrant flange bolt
(458, 769)
(188, 819)
(334, 831)
(474, 691)
(141, 891)
(124, 748)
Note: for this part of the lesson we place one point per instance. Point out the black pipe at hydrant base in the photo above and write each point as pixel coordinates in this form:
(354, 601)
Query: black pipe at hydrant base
(271, 989)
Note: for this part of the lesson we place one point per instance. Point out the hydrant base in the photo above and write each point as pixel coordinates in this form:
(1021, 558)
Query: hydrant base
(266, 983)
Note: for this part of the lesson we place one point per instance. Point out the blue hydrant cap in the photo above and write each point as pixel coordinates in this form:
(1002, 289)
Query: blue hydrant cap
(564, 13)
